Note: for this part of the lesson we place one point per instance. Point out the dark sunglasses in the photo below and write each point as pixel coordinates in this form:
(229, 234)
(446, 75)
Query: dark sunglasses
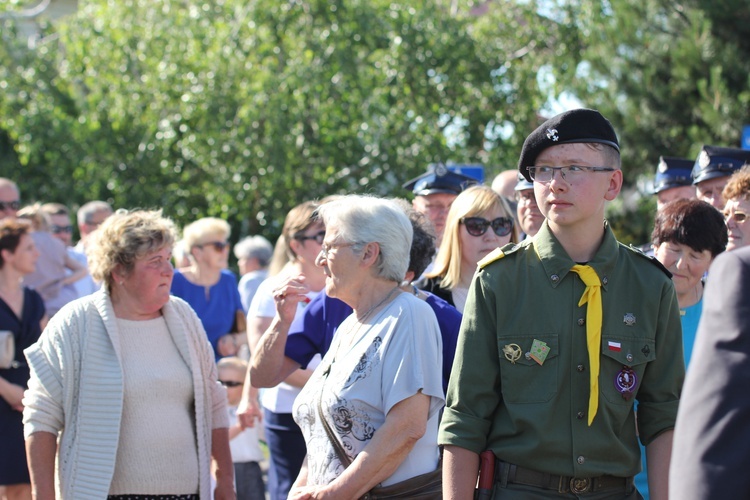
(477, 226)
(61, 229)
(318, 237)
(13, 205)
(219, 246)
(230, 383)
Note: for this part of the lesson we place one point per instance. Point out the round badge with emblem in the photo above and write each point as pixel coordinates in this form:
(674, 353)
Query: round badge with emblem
(512, 352)
(626, 381)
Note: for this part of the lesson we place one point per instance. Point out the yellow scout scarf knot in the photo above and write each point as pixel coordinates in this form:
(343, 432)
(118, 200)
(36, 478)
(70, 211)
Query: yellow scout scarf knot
(592, 295)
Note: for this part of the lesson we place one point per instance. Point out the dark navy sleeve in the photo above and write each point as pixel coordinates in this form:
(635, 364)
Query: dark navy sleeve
(312, 332)
(449, 320)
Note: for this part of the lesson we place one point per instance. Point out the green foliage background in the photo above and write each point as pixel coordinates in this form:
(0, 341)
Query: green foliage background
(243, 109)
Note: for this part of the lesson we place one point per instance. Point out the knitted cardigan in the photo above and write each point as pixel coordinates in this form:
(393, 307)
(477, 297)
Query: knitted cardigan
(76, 391)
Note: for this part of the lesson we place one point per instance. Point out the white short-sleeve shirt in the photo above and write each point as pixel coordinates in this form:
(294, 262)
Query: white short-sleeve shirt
(278, 399)
(364, 374)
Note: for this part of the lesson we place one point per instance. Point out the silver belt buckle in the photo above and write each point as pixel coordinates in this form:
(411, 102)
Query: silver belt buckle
(580, 485)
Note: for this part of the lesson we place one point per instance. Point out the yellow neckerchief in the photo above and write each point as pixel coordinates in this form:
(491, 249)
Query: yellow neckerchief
(592, 295)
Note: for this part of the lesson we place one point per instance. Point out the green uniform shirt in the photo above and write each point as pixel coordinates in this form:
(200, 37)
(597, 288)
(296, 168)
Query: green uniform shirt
(536, 416)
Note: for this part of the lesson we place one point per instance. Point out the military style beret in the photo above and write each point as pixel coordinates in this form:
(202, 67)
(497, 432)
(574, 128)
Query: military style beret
(672, 172)
(575, 126)
(715, 161)
(438, 179)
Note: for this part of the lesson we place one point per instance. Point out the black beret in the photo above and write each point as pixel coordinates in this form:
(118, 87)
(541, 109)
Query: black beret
(438, 179)
(714, 161)
(575, 126)
(672, 172)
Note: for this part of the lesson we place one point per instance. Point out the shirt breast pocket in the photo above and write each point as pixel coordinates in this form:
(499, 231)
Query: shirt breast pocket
(623, 363)
(523, 379)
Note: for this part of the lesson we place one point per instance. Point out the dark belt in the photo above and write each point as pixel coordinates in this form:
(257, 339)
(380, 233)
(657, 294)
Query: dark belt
(513, 474)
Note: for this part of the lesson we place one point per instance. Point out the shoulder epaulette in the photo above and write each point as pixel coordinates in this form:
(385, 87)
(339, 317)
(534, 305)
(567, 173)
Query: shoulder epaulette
(497, 254)
(649, 258)
(491, 257)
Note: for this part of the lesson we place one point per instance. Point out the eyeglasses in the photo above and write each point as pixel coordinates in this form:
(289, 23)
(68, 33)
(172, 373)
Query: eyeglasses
(477, 226)
(318, 237)
(12, 205)
(61, 229)
(324, 249)
(219, 246)
(738, 216)
(230, 383)
(571, 173)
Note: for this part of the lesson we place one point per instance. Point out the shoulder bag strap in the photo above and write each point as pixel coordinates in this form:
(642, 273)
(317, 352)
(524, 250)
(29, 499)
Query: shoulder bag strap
(337, 446)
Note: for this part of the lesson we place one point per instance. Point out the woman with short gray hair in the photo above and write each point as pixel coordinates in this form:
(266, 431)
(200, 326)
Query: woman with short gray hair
(371, 219)
(369, 413)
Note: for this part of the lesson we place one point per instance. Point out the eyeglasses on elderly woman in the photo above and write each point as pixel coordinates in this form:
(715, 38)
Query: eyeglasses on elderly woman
(477, 226)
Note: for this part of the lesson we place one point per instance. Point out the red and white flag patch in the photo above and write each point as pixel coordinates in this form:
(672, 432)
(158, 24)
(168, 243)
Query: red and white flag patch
(614, 346)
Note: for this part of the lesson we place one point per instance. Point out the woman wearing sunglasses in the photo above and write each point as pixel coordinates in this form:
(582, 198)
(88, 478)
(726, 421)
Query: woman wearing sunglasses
(209, 287)
(479, 221)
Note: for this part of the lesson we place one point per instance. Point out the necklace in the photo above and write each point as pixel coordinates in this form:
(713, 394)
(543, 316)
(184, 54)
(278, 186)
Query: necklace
(353, 333)
(388, 296)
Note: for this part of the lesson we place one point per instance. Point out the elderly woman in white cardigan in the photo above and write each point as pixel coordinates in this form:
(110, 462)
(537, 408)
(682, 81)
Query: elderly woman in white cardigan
(126, 379)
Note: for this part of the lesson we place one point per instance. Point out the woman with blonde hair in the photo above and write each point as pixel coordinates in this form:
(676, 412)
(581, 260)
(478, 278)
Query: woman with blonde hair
(209, 287)
(294, 259)
(478, 222)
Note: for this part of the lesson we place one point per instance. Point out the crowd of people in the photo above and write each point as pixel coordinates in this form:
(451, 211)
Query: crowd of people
(380, 346)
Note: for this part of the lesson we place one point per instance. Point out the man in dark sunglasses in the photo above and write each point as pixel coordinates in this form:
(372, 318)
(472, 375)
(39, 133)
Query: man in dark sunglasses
(10, 198)
(60, 225)
(560, 336)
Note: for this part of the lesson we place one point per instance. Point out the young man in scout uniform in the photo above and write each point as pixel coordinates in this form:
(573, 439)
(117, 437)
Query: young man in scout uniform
(561, 334)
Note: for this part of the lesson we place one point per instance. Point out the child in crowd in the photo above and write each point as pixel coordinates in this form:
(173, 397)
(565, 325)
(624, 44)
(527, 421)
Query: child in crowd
(246, 452)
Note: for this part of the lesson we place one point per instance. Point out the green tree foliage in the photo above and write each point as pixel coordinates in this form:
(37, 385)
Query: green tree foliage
(243, 109)
(671, 75)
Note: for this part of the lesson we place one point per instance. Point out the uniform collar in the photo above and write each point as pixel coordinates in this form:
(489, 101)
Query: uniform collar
(557, 263)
